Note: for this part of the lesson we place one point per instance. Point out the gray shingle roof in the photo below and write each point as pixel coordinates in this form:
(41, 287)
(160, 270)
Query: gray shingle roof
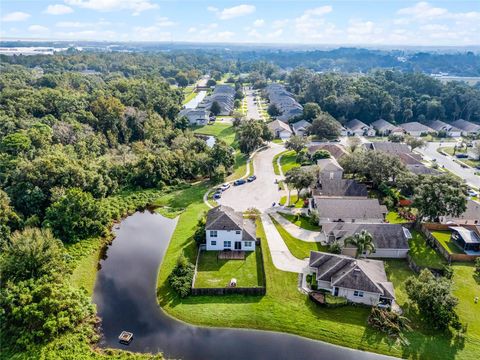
(471, 214)
(343, 187)
(385, 236)
(389, 147)
(345, 208)
(441, 126)
(301, 125)
(383, 125)
(225, 218)
(466, 125)
(278, 125)
(357, 274)
(416, 126)
(356, 124)
(329, 164)
(335, 150)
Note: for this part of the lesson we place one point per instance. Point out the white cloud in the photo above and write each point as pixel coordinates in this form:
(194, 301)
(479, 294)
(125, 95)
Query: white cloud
(58, 9)
(137, 6)
(38, 29)
(313, 27)
(15, 16)
(233, 12)
(259, 23)
(165, 22)
(423, 10)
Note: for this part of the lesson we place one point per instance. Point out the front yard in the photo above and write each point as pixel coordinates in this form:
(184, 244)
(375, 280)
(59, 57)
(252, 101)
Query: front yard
(288, 161)
(444, 238)
(214, 273)
(302, 221)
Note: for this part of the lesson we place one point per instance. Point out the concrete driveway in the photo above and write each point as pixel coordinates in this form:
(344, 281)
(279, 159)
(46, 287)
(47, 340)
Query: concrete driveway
(261, 193)
(430, 152)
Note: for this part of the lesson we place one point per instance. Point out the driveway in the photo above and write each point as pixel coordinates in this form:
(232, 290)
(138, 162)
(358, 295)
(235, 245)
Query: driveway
(281, 256)
(261, 193)
(430, 152)
(252, 108)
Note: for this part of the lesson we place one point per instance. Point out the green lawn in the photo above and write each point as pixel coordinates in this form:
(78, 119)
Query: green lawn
(239, 167)
(213, 272)
(189, 93)
(443, 238)
(288, 161)
(276, 169)
(393, 218)
(222, 131)
(301, 221)
(422, 254)
(285, 309)
(300, 249)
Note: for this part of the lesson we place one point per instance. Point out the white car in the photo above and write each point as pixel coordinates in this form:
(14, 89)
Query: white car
(224, 187)
(471, 192)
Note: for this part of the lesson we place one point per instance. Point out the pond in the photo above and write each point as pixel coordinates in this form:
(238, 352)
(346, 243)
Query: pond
(125, 294)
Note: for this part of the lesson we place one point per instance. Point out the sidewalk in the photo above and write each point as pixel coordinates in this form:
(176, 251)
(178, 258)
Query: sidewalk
(298, 232)
(281, 256)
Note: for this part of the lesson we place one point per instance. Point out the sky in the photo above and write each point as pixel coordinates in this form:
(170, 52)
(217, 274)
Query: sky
(355, 22)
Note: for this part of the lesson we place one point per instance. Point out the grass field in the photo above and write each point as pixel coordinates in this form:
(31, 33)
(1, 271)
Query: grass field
(300, 249)
(213, 272)
(222, 131)
(301, 221)
(422, 254)
(276, 168)
(443, 238)
(288, 161)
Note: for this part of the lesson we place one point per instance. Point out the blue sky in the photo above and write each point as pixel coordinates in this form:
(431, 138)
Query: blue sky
(387, 22)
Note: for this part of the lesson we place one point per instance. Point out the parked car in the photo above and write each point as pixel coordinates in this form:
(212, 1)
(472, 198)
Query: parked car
(239, 182)
(251, 178)
(462, 156)
(224, 186)
(217, 195)
(471, 192)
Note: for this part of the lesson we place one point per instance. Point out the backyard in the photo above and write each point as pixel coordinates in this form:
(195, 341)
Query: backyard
(444, 238)
(213, 272)
(422, 254)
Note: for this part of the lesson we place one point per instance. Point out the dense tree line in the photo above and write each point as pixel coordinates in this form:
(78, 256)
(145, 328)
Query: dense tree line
(392, 95)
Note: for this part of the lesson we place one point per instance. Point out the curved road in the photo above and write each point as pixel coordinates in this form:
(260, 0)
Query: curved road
(126, 300)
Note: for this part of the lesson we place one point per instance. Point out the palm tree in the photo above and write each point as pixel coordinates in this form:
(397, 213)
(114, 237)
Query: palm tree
(363, 241)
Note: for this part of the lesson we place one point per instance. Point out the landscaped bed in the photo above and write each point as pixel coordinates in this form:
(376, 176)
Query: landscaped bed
(444, 238)
(214, 273)
(422, 254)
(302, 221)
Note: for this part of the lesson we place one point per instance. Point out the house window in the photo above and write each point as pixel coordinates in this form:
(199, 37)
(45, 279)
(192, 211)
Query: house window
(213, 242)
(358, 293)
(248, 243)
(213, 233)
(227, 244)
(238, 232)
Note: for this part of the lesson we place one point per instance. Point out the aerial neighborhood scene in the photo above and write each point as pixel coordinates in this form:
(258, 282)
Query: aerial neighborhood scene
(240, 180)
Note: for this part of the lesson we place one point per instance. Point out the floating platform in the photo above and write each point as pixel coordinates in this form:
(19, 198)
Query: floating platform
(125, 337)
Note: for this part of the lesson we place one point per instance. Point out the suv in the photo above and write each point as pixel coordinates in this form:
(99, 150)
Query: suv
(239, 182)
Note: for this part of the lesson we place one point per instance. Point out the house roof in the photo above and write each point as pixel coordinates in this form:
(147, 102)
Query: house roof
(466, 125)
(385, 236)
(383, 125)
(470, 216)
(439, 125)
(469, 236)
(356, 124)
(277, 125)
(301, 125)
(335, 150)
(357, 274)
(420, 169)
(343, 187)
(329, 164)
(345, 208)
(416, 126)
(225, 218)
(392, 148)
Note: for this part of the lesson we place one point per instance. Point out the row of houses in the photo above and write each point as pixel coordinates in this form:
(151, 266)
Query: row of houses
(283, 130)
(284, 101)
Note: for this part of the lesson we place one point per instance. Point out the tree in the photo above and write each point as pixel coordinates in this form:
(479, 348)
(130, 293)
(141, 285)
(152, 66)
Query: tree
(251, 135)
(325, 126)
(353, 143)
(15, 143)
(37, 310)
(181, 276)
(31, 254)
(415, 142)
(222, 154)
(211, 83)
(320, 154)
(311, 111)
(182, 80)
(273, 110)
(433, 299)
(438, 196)
(76, 216)
(299, 178)
(363, 241)
(9, 220)
(215, 109)
(296, 143)
(239, 95)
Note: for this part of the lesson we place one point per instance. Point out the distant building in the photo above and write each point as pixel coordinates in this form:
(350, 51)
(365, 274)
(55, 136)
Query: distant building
(416, 129)
(300, 128)
(359, 128)
(195, 116)
(279, 129)
(383, 127)
(450, 130)
(467, 127)
(284, 101)
(224, 95)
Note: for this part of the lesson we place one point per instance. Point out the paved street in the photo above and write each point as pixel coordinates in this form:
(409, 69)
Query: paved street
(260, 193)
(252, 108)
(281, 256)
(430, 152)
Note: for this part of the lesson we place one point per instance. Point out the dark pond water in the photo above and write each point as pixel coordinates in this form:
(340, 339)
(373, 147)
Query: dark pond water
(126, 300)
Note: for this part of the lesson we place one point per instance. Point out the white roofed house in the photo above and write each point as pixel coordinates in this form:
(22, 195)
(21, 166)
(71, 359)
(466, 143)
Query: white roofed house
(279, 129)
(416, 129)
(359, 128)
(361, 281)
(467, 127)
(227, 229)
(449, 130)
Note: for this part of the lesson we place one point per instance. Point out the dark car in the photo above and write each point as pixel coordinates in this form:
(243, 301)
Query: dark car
(251, 178)
(217, 195)
(462, 156)
(239, 182)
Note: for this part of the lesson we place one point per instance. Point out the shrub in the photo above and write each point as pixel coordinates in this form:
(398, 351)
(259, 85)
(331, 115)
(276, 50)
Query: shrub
(335, 248)
(477, 265)
(314, 218)
(182, 276)
(334, 301)
(200, 236)
(389, 323)
(447, 271)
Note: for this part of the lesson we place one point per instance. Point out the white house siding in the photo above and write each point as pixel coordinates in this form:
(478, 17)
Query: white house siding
(224, 235)
(416, 133)
(379, 253)
(284, 135)
(368, 298)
